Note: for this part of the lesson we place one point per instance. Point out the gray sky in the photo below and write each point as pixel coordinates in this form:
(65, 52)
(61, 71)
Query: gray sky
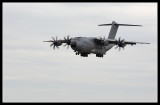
(34, 72)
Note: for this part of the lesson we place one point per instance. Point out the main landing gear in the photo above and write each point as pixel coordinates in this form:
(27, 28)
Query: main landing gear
(86, 54)
(82, 54)
(99, 55)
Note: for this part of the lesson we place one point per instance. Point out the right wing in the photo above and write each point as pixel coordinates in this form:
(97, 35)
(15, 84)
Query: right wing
(116, 42)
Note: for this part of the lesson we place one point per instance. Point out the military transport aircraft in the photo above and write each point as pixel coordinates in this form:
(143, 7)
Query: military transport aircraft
(99, 46)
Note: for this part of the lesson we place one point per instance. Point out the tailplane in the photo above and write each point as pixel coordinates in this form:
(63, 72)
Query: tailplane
(114, 28)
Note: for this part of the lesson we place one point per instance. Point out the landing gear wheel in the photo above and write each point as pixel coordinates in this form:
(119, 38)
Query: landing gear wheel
(84, 54)
(99, 55)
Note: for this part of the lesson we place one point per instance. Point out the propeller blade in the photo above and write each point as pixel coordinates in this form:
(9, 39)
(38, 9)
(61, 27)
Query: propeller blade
(119, 48)
(68, 37)
(48, 41)
(56, 38)
(54, 47)
(51, 44)
(67, 46)
(64, 45)
(65, 38)
(57, 47)
(119, 39)
(53, 38)
(123, 48)
(116, 47)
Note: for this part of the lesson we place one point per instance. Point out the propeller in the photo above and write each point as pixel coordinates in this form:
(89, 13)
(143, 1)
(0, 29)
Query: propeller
(102, 41)
(55, 42)
(120, 43)
(67, 40)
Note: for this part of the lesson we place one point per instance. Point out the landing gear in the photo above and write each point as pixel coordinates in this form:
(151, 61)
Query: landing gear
(84, 54)
(77, 53)
(99, 55)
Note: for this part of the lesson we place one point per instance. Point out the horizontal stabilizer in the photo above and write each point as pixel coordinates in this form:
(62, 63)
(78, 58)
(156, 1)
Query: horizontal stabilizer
(118, 25)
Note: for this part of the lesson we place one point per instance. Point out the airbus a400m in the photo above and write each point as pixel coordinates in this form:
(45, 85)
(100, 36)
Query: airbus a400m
(92, 45)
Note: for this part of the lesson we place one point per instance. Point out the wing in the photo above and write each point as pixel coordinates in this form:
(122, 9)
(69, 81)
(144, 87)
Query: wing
(56, 42)
(116, 42)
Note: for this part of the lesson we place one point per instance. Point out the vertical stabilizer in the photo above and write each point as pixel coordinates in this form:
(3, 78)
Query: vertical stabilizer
(113, 30)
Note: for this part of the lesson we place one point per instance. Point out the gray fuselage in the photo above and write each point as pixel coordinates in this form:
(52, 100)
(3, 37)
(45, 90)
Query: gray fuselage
(88, 45)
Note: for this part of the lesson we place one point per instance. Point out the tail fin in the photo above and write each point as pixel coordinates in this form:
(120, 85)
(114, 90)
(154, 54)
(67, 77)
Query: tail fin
(114, 28)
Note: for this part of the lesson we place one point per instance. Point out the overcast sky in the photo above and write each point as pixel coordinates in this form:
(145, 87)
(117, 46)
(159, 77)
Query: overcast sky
(34, 72)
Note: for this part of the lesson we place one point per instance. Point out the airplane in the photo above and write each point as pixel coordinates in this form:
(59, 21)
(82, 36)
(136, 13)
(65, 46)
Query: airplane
(92, 45)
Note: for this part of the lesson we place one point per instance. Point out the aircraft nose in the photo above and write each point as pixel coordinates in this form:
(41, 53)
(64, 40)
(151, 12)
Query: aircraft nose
(73, 44)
